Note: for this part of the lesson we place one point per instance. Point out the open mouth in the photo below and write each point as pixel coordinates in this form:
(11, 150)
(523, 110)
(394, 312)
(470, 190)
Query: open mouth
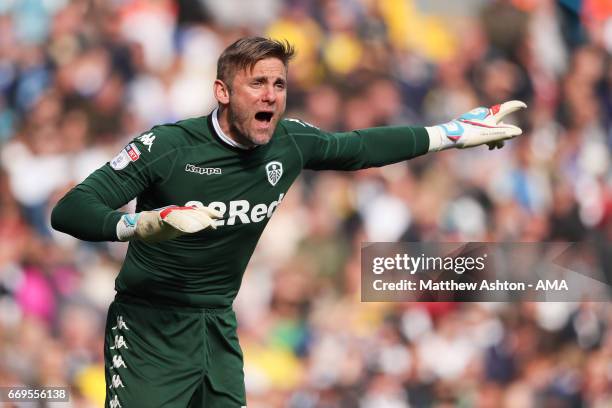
(264, 116)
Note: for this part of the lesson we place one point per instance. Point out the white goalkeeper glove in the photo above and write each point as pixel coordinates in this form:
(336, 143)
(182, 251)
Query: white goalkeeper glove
(478, 126)
(166, 223)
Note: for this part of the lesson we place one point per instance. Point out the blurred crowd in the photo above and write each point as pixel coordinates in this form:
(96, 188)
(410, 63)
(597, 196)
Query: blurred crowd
(80, 78)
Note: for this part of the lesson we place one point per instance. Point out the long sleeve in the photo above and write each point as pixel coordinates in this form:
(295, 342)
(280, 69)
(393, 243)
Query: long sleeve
(84, 214)
(89, 211)
(359, 149)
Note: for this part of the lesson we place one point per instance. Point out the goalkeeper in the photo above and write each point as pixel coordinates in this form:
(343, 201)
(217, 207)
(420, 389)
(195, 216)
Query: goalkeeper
(206, 188)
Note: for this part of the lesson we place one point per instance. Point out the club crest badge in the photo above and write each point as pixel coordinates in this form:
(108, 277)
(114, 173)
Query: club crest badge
(274, 170)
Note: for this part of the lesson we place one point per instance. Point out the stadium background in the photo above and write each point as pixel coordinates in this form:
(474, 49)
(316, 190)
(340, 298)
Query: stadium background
(78, 79)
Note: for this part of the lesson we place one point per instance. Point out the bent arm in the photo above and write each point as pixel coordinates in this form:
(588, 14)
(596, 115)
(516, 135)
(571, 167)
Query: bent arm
(89, 211)
(86, 214)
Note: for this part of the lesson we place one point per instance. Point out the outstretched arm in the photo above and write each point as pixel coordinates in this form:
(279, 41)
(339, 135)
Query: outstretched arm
(374, 147)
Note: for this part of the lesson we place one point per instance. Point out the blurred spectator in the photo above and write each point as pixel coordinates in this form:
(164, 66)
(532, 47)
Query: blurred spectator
(78, 79)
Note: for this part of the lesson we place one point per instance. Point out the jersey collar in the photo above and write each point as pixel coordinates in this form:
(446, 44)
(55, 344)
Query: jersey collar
(224, 138)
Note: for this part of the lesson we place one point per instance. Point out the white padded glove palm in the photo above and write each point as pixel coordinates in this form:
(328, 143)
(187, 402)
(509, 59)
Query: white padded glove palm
(166, 223)
(478, 126)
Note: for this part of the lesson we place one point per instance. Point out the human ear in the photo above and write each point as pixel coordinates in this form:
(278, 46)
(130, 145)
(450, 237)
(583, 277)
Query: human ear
(222, 92)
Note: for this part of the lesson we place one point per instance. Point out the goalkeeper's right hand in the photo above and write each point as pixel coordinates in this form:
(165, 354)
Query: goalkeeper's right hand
(166, 223)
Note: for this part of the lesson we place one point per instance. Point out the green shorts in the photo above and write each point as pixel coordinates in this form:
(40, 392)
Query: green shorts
(172, 357)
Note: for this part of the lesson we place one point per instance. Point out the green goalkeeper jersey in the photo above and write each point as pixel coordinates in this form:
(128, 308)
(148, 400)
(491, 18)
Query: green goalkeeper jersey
(188, 163)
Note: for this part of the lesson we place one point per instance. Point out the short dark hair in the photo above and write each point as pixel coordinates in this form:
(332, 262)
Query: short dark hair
(246, 52)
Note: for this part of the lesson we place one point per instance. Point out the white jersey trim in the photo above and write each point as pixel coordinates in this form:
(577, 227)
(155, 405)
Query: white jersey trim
(226, 139)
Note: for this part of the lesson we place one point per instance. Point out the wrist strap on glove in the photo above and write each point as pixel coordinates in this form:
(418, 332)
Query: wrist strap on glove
(126, 227)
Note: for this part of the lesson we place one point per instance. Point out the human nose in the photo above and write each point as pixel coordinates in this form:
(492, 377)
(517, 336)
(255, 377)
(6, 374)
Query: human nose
(269, 94)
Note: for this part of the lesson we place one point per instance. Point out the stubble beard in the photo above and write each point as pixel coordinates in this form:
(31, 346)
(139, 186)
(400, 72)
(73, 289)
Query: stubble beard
(238, 128)
(243, 135)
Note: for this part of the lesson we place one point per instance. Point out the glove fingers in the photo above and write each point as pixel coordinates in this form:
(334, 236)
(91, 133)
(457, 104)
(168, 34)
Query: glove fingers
(506, 108)
(511, 130)
(496, 145)
(212, 213)
(206, 217)
(189, 220)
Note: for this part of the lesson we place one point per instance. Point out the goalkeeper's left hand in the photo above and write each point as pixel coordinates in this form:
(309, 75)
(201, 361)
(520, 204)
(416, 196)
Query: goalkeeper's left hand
(478, 126)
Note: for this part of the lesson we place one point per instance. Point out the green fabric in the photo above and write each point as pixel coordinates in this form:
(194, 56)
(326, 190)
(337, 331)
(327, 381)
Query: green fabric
(185, 163)
(359, 149)
(84, 214)
(172, 357)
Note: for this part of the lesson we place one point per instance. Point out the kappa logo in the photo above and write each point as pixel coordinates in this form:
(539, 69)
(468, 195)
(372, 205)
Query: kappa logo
(116, 382)
(120, 324)
(114, 403)
(274, 170)
(119, 343)
(147, 139)
(202, 170)
(118, 362)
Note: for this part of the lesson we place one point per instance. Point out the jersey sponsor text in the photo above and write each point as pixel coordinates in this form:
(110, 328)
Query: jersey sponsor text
(241, 210)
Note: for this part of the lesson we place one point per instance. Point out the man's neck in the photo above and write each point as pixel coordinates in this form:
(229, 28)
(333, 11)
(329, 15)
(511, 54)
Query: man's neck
(222, 126)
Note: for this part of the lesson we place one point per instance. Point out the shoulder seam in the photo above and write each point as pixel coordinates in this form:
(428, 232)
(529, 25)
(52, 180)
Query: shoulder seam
(167, 176)
(175, 149)
(297, 147)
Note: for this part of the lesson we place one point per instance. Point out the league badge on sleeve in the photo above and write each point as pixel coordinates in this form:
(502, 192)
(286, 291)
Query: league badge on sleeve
(275, 172)
(130, 153)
